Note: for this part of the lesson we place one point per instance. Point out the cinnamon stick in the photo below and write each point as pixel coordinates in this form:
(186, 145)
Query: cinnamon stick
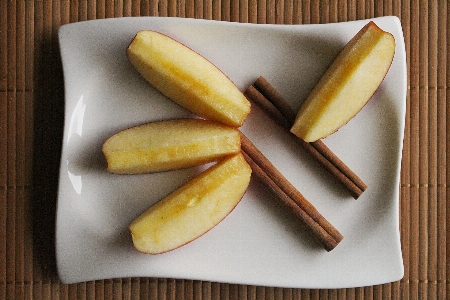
(320, 228)
(276, 99)
(255, 96)
(265, 95)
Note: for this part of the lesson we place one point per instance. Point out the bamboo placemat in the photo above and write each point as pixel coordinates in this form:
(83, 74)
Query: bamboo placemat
(31, 122)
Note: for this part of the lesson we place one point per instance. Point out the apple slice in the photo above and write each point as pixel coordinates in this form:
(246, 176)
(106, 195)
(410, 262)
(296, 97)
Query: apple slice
(169, 145)
(187, 78)
(347, 85)
(193, 209)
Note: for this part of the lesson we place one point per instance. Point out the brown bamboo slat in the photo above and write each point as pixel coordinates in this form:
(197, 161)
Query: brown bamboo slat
(31, 118)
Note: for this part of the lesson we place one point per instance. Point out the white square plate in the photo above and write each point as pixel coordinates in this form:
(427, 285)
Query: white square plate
(259, 243)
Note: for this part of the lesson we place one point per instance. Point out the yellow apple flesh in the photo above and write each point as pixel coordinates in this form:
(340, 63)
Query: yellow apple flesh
(169, 145)
(193, 209)
(347, 85)
(187, 78)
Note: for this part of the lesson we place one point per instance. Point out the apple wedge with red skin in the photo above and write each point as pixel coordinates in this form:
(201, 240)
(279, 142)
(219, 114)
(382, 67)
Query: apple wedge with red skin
(169, 145)
(347, 85)
(193, 209)
(187, 78)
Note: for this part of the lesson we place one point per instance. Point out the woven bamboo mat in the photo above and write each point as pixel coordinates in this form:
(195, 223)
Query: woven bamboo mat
(31, 121)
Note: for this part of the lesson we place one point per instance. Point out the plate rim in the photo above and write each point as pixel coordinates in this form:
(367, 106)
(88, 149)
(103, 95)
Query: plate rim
(66, 84)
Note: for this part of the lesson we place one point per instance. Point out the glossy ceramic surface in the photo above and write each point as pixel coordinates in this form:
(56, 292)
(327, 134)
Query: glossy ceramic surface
(259, 243)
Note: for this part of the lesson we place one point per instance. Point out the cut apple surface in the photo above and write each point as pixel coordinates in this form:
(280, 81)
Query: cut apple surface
(193, 209)
(347, 85)
(187, 78)
(169, 145)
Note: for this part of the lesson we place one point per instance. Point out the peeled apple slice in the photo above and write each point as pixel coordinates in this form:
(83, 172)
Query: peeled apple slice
(169, 145)
(193, 209)
(347, 85)
(187, 78)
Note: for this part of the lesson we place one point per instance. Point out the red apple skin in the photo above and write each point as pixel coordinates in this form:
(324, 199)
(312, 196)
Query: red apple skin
(371, 23)
(199, 236)
(232, 112)
(193, 209)
(145, 148)
(192, 51)
(340, 94)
